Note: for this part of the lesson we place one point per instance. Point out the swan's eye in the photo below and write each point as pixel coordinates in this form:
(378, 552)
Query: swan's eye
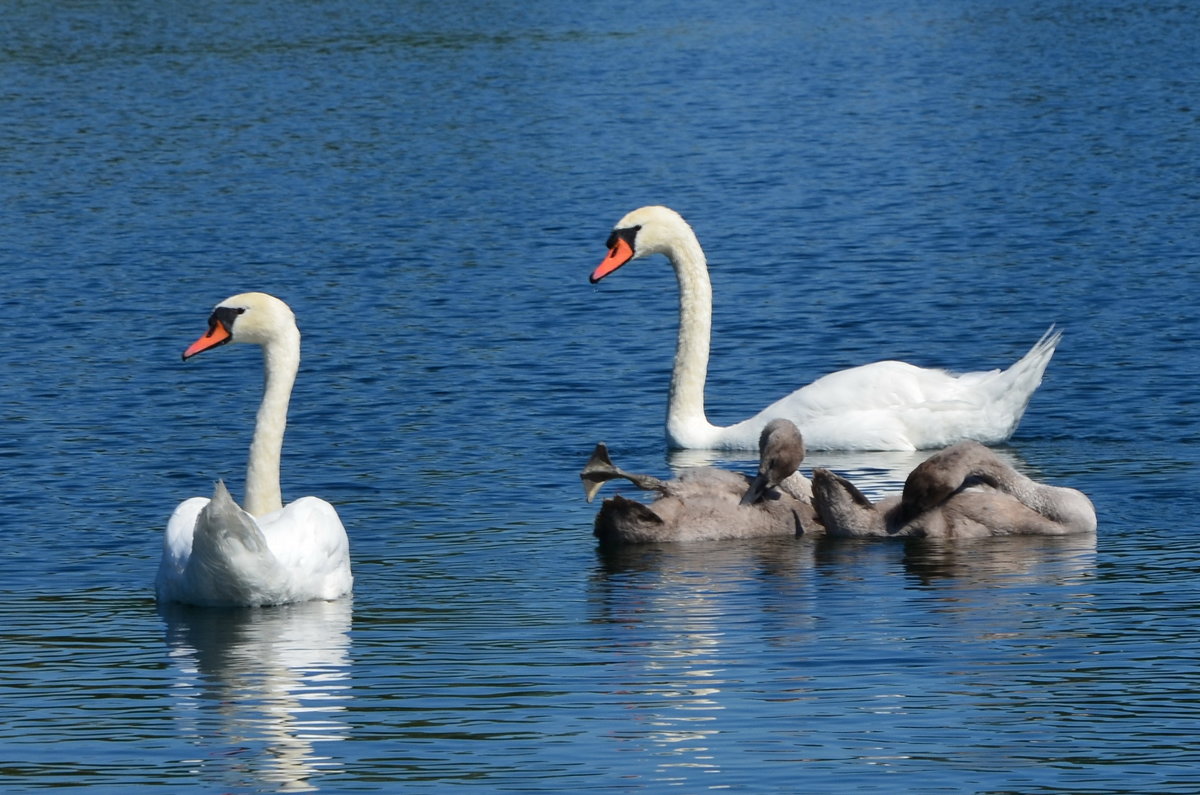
(628, 234)
(225, 315)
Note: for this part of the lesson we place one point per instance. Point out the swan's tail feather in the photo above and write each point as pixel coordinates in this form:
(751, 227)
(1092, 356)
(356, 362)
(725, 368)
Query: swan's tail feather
(230, 556)
(1043, 349)
(1015, 386)
(223, 516)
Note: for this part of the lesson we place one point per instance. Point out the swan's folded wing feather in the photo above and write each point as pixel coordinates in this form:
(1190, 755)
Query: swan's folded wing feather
(231, 562)
(177, 540)
(308, 539)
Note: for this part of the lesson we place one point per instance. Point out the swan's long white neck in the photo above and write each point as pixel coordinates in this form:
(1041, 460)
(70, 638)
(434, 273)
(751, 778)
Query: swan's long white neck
(687, 425)
(281, 361)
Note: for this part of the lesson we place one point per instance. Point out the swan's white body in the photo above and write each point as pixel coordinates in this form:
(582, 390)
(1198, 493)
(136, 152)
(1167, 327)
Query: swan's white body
(215, 553)
(887, 405)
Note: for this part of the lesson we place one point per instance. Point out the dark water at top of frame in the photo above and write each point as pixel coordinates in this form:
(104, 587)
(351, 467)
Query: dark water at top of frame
(428, 185)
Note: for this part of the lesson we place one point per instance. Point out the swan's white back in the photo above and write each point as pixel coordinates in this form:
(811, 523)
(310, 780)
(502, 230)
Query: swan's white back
(893, 405)
(216, 554)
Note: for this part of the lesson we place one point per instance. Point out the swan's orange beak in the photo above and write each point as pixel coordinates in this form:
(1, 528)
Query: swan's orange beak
(620, 253)
(216, 334)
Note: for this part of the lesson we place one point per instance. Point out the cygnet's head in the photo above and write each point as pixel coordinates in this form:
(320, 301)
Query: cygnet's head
(780, 447)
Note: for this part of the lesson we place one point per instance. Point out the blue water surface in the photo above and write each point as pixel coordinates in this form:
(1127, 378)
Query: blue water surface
(429, 185)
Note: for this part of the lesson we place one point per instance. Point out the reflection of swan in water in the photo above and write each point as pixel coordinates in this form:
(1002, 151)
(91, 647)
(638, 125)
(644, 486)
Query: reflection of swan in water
(675, 625)
(259, 689)
(665, 615)
(1012, 560)
(988, 566)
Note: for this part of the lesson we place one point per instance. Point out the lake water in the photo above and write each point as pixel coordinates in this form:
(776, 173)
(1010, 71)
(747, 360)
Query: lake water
(429, 186)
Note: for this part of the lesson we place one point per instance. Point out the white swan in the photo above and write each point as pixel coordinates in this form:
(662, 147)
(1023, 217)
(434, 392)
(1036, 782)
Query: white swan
(215, 553)
(964, 491)
(882, 406)
(707, 504)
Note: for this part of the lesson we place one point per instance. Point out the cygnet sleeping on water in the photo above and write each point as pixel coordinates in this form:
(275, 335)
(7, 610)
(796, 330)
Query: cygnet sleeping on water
(964, 491)
(708, 504)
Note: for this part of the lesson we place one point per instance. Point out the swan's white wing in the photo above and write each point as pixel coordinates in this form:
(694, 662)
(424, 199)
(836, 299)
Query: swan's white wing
(879, 385)
(310, 543)
(217, 554)
(177, 545)
(230, 563)
(893, 405)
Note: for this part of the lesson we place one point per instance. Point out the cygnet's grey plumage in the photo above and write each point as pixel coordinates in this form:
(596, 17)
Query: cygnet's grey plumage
(708, 504)
(964, 491)
(780, 451)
